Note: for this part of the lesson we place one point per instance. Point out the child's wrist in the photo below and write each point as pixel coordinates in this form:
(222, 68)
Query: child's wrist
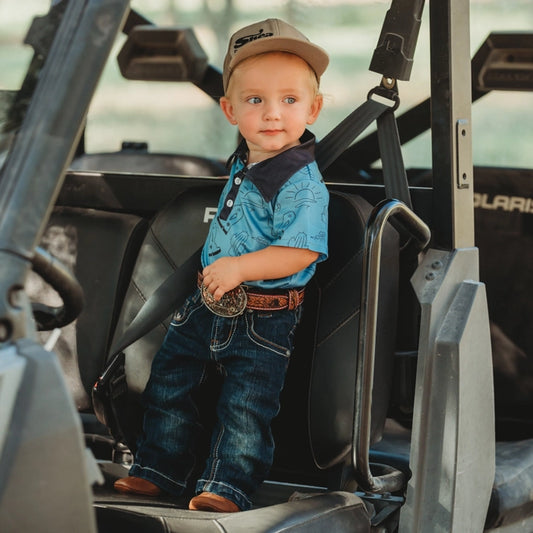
(239, 269)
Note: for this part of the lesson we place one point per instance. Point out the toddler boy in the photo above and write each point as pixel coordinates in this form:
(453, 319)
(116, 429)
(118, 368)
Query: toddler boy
(269, 232)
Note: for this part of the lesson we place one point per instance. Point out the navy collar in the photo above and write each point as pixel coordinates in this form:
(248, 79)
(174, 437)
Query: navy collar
(269, 175)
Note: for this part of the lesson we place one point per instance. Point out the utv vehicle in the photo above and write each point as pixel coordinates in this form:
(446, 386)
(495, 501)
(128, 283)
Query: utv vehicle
(393, 418)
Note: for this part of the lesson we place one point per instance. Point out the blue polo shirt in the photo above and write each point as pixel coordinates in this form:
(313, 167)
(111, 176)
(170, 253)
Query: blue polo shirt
(281, 201)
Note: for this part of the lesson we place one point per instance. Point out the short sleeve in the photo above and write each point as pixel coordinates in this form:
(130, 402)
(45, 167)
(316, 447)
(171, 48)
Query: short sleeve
(301, 213)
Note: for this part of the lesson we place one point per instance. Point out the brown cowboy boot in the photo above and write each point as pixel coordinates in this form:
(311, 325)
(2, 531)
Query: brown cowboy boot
(137, 485)
(207, 501)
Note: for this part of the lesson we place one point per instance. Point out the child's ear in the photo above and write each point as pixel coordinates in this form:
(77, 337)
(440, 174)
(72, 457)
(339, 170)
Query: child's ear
(316, 107)
(227, 109)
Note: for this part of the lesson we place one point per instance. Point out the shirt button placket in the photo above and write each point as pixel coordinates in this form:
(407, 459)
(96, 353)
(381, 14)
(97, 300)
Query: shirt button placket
(232, 194)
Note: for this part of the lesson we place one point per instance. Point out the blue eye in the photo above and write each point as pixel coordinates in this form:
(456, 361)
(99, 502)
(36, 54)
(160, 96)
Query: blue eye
(289, 100)
(254, 100)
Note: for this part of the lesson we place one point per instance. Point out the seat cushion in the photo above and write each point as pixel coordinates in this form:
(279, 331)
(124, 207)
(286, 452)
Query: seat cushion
(335, 511)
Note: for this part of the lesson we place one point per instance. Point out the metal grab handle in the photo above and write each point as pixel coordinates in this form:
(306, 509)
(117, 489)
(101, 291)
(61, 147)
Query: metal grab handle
(367, 338)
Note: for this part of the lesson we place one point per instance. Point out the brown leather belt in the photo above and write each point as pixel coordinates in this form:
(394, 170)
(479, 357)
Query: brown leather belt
(285, 299)
(259, 300)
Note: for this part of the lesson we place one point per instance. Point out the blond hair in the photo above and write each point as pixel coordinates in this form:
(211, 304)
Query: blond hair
(315, 81)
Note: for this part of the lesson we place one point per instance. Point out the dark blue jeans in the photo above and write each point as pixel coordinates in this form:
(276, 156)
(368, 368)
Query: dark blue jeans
(252, 351)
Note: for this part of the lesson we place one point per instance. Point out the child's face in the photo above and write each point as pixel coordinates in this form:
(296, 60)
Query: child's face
(272, 98)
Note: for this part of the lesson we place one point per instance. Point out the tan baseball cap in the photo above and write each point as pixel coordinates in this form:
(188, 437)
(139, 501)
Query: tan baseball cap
(272, 35)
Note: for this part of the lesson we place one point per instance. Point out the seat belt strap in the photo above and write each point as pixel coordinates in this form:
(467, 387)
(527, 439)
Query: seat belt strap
(340, 137)
(394, 175)
(161, 303)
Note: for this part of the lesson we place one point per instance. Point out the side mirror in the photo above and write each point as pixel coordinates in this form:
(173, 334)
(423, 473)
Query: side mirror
(162, 54)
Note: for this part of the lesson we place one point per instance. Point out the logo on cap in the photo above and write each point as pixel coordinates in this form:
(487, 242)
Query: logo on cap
(241, 41)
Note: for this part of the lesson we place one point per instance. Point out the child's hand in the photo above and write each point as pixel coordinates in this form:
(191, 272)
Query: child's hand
(222, 276)
(271, 262)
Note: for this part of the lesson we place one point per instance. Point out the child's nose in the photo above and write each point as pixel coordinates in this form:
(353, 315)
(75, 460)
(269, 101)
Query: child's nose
(272, 111)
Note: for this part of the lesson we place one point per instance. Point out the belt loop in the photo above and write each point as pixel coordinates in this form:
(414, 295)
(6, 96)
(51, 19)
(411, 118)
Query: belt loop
(293, 299)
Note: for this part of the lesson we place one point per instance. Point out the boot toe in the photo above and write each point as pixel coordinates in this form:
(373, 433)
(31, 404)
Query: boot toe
(207, 501)
(137, 485)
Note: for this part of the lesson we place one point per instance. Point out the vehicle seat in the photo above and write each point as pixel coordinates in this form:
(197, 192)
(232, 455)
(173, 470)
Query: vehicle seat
(505, 242)
(313, 431)
(175, 234)
(78, 236)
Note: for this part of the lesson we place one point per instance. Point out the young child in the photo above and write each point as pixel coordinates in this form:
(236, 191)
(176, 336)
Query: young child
(269, 232)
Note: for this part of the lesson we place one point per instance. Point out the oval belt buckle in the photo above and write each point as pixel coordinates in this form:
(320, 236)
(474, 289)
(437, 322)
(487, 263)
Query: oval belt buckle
(233, 303)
